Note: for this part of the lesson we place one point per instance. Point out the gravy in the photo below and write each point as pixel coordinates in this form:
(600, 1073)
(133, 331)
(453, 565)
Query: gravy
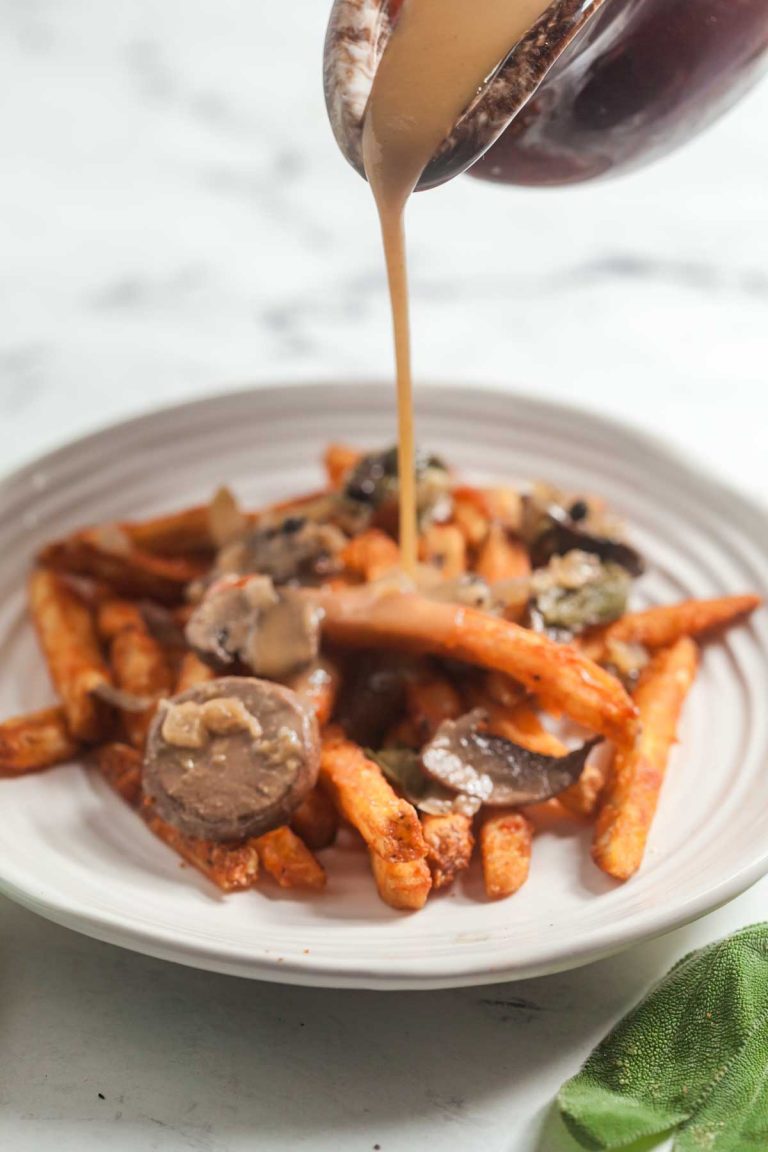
(440, 54)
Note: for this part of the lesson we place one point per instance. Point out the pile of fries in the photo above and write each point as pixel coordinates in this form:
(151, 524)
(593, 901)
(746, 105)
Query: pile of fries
(110, 603)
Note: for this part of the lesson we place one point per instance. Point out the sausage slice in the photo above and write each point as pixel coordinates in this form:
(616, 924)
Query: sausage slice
(231, 758)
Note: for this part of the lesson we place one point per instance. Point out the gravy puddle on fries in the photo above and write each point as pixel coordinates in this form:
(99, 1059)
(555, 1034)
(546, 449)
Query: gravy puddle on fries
(248, 681)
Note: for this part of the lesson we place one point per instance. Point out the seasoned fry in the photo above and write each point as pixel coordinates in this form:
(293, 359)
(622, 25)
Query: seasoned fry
(470, 518)
(429, 702)
(231, 867)
(35, 741)
(503, 690)
(316, 820)
(506, 839)
(289, 861)
(450, 842)
(505, 504)
(192, 671)
(501, 504)
(664, 625)
(638, 774)
(371, 555)
(443, 547)
(177, 534)
(390, 826)
(128, 572)
(403, 886)
(587, 693)
(121, 767)
(113, 616)
(339, 459)
(502, 557)
(583, 798)
(522, 725)
(67, 635)
(140, 667)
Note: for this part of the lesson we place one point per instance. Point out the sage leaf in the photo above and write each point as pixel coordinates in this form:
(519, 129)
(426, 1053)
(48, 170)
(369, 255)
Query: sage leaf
(691, 1060)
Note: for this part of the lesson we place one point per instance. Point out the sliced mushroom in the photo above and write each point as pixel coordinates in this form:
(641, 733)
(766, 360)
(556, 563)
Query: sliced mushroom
(562, 538)
(373, 483)
(230, 759)
(554, 524)
(295, 549)
(494, 771)
(403, 768)
(578, 590)
(248, 621)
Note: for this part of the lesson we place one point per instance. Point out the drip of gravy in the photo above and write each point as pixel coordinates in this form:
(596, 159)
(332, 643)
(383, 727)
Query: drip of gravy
(439, 56)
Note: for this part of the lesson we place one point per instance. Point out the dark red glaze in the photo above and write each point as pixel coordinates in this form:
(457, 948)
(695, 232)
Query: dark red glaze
(643, 77)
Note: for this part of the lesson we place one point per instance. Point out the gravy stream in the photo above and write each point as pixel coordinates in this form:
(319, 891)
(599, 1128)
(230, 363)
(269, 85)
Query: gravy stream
(440, 54)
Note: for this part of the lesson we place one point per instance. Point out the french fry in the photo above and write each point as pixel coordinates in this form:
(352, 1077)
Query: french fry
(316, 820)
(471, 519)
(308, 504)
(127, 571)
(502, 557)
(443, 547)
(113, 616)
(430, 701)
(403, 886)
(505, 504)
(231, 867)
(663, 626)
(288, 860)
(339, 459)
(587, 693)
(121, 767)
(389, 825)
(632, 795)
(503, 690)
(35, 741)
(176, 534)
(67, 634)
(506, 840)
(192, 671)
(371, 555)
(501, 503)
(450, 842)
(523, 726)
(140, 667)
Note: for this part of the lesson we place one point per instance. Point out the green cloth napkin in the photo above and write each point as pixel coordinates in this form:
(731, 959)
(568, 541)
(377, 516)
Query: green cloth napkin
(690, 1060)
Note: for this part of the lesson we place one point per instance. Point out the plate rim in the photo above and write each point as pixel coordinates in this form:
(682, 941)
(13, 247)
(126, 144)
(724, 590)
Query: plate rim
(318, 971)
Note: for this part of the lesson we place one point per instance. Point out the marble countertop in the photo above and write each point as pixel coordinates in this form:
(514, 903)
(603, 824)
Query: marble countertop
(175, 218)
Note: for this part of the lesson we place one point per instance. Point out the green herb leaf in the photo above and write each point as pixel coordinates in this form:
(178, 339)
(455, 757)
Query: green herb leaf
(691, 1059)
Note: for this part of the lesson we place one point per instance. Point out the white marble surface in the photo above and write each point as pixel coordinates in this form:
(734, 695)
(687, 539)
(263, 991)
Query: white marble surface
(174, 218)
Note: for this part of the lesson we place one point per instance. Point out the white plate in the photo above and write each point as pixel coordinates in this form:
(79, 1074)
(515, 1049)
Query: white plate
(71, 851)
